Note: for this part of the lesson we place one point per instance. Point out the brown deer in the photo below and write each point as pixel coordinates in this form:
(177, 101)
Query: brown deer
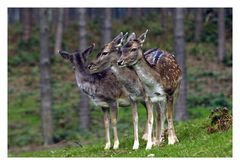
(107, 58)
(161, 78)
(102, 88)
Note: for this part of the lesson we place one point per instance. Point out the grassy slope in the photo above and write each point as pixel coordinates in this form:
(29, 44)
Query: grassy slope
(194, 142)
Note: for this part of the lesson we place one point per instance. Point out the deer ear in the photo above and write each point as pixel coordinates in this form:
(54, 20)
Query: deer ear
(118, 40)
(131, 37)
(88, 50)
(124, 39)
(142, 37)
(125, 36)
(65, 55)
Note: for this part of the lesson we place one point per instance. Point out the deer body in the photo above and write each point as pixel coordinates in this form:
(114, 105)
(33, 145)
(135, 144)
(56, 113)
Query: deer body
(135, 90)
(107, 93)
(103, 88)
(95, 85)
(161, 76)
(107, 58)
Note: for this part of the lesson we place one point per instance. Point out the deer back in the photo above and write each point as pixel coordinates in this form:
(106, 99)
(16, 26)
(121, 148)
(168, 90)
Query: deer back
(166, 66)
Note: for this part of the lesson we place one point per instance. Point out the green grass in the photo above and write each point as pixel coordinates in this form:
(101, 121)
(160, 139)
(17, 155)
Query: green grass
(193, 136)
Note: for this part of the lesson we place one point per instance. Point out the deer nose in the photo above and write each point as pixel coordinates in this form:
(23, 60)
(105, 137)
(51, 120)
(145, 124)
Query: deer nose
(90, 66)
(120, 62)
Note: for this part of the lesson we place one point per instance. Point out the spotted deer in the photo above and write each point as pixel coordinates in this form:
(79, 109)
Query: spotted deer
(103, 89)
(161, 76)
(107, 58)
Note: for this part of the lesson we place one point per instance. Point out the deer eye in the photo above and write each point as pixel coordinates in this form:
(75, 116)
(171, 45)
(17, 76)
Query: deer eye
(134, 49)
(104, 53)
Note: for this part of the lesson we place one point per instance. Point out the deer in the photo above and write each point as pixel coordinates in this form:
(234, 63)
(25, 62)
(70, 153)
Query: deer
(161, 75)
(102, 88)
(107, 58)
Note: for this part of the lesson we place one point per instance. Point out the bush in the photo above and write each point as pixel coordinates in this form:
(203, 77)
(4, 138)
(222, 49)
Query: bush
(221, 120)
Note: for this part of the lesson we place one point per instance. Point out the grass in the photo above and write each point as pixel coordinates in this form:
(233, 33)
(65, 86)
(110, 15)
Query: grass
(193, 136)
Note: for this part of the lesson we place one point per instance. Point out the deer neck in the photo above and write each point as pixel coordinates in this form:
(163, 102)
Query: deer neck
(144, 71)
(116, 70)
(130, 81)
(82, 79)
(150, 79)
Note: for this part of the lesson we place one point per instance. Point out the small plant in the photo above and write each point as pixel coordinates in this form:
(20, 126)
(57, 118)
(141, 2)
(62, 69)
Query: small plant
(221, 120)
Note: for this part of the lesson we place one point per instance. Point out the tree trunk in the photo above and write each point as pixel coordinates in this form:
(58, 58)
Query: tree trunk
(59, 33)
(129, 13)
(45, 79)
(54, 23)
(198, 25)
(138, 13)
(92, 12)
(179, 47)
(221, 34)
(13, 15)
(163, 16)
(35, 16)
(106, 26)
(26, 21)
(66, 18)
(84, 114)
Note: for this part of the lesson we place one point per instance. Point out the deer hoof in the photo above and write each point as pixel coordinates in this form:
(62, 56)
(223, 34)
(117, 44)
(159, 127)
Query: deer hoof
(116, 145)
(172, 140)
(149, 146)
(107, 146)
(135, 145)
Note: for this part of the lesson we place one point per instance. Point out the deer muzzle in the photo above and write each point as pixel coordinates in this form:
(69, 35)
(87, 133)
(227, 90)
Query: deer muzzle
(92, 67)
(120, 62)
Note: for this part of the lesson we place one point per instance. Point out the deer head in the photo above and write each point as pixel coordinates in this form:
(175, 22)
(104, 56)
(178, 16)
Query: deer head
(78, 59)
(132, 51)
(108, 55)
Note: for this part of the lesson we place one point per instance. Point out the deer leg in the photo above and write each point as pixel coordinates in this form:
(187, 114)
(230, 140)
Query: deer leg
(135, 124)
(161, 109)
(156, 141)
(172, 138)
(106, 125)
(150, 123)
(114, 113)
(145, 134)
